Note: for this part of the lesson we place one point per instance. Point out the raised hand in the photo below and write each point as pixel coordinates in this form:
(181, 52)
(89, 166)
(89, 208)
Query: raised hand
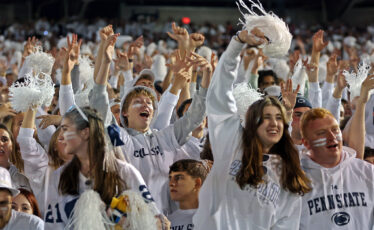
(366, 87)
(47, 120)
(134, 48)
(30, 45)
(341, 82)
(289, 95)
(180, 35)
(318, 43)
(109, 47)
(196, 40)
(106, 32)
(179, 64)
(122, 62)
(255, 38)
(72, 53)
(332, 65)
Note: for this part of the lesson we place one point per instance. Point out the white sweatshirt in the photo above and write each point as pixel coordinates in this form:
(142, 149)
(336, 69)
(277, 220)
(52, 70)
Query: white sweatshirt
(342, 197)
(154, 151)
(222, 203)
(20, 220)
(182, 219)
(36, 165)
(59, 207)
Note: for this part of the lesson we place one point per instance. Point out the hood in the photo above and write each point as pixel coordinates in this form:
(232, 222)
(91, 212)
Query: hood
(308, 164)
(144, 72)
(128, 91)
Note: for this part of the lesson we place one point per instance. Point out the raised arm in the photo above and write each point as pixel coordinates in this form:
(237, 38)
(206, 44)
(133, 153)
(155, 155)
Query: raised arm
(66, 97)
(334, 102)
(356, 134)
(98, 97)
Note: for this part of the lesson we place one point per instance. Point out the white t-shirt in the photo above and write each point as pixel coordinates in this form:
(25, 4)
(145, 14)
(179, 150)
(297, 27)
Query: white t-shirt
(182, 219)
(20, 220)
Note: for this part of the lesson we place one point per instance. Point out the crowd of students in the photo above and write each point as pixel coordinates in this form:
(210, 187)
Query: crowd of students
(139, 136)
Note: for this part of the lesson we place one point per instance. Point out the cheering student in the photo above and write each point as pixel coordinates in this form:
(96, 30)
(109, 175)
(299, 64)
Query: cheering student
(343, 188)
(150, 151)
(256, 180)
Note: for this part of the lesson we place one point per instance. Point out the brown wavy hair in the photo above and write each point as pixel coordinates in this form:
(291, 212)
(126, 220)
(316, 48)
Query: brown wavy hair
(251, 172)
(107, 183)
(54, 160)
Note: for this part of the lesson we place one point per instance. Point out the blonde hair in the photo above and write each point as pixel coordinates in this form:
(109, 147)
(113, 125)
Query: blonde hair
(311, 115)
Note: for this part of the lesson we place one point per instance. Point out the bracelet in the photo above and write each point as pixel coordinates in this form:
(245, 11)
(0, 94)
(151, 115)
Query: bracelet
(131, 60)
(237, 36)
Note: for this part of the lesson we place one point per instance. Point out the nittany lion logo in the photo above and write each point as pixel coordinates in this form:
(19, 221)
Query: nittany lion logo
(341, 218)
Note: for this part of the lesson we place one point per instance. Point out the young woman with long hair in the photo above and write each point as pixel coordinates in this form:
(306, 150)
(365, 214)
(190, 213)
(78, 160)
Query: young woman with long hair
(256, 181)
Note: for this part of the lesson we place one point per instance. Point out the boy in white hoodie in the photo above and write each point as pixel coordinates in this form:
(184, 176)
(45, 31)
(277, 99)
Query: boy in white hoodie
(342, 195)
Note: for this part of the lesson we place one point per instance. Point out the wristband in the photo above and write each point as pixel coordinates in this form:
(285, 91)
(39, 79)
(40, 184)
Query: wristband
(131, 60)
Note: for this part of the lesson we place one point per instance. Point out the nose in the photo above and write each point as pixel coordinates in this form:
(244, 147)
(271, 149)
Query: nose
(331, 135)
(273, 121)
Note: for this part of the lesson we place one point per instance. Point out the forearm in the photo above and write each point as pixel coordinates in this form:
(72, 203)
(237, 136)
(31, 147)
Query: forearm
(102, 76)
(184, 95)
(66, 77)
(29, 119)
(356, 139)
(98, 59)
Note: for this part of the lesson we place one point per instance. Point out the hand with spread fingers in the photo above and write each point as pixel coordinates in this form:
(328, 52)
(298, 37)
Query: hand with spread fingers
(122, 62)
(289, 95)
(47, 120)
(71, 53)
(180, 64)
(30, 46)
(318, 43)
(332, 68)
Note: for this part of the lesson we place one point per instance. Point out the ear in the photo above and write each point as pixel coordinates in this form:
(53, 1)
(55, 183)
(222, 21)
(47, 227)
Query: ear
(198, 183)
(85, 133)
(305, 143)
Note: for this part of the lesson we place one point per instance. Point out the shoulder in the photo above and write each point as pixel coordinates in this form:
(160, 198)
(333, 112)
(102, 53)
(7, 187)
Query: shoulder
(26, 221)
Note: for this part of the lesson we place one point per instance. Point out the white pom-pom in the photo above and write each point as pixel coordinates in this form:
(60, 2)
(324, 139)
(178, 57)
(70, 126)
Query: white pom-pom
(355, 80)
(205, 52)
(88, 213)
(350, 41)
(35, 91)
(245, 96)
(281, 68)
(86, 69)
(40, 62)
(273, 90)
(299, 76)
(139, 214)
(159, 67)
(274, 28)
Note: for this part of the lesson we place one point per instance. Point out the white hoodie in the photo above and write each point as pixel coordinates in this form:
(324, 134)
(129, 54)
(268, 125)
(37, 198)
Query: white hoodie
(222, 204)
(342, 197)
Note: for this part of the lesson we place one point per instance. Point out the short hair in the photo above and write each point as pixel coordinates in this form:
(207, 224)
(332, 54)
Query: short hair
(136, 92)
(311, 115)
(263, 73)
(194, 168)
(181, 108)
(6, 190)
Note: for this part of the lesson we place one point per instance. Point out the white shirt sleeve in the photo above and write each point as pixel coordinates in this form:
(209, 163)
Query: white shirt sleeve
(315, 95)
(327, 90)
(333, 105)
(66, 98)
(165, 109)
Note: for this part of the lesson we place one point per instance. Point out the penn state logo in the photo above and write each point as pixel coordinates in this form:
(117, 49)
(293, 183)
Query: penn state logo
(341, 218)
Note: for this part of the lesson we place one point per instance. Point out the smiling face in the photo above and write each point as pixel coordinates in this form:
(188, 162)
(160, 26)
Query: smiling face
(139, 113)
(323, 138)
(271, 129)
(6, 147)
